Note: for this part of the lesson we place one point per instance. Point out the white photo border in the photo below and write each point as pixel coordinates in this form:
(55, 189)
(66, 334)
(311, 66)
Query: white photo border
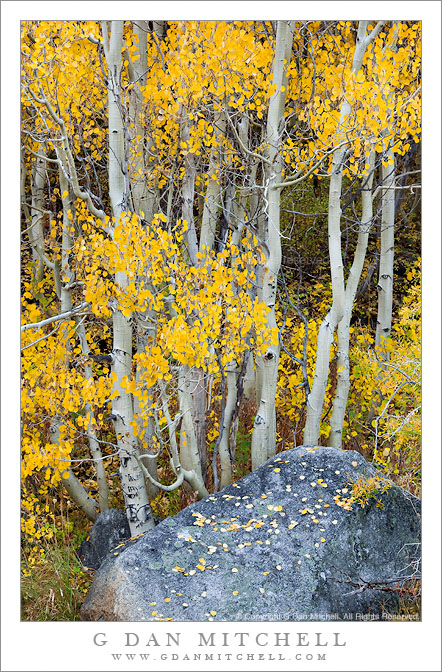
(369, 646)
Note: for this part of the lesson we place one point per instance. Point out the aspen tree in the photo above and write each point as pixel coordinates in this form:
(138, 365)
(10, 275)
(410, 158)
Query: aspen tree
(138, 509)
(36, 229)
(385, 279)
(144, 197)
(264, 431)
(343, 362)
(316, 397)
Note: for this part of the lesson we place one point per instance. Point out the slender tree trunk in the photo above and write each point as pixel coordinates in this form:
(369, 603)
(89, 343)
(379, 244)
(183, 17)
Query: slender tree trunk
(250, 380)
(138, 509)
(146, 332)
(385, 280)
(212, 201)
(36, 237)
(199, 416)
(145, 196)
(194, 379)
(253, 383)
(188, 194)
(343, 361)
(192, 385)
(189, 453)
(70, 481)
(234, 211)
(224, 447)
(145, 204)
(315, 401)
(264, 431)
(66, 243)
(193, 479)
(137, 168)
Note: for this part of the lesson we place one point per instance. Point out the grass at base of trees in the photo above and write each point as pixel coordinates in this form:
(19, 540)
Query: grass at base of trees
(55, 588)
(410, 601)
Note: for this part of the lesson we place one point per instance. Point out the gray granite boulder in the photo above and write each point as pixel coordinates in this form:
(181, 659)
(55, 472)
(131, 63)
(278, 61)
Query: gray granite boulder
(110, 529)
(282, 544)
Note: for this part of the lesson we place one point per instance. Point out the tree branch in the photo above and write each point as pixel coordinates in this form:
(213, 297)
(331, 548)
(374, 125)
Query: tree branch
(39, 339)
(243, 147)
(375, 32)
(72, 176)
(298, 177)
(151, 479)
(56, 318)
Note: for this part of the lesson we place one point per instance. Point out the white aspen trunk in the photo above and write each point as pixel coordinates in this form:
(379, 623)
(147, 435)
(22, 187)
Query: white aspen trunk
(192, 384)
(24, 203)
(224, 446)
(253, 383)
(146, 331)
(227, 441)
(264, 431)
(144, 196)
(137, 168)
(249, 384)
(385, 280)
(212, 200)
(138, 509)
(343, 361)
(36, 237)
(192, 396)
(116, 159)
(250, 381)
(192, 402)
(145, 204)
(190, 476)
(66, 242)
(249, 389)
(188, 194)
(315, 401)
(189, 454)
(199, 416)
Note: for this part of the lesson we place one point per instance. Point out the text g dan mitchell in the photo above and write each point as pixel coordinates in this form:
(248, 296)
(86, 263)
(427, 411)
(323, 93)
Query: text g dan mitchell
(206, 642)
